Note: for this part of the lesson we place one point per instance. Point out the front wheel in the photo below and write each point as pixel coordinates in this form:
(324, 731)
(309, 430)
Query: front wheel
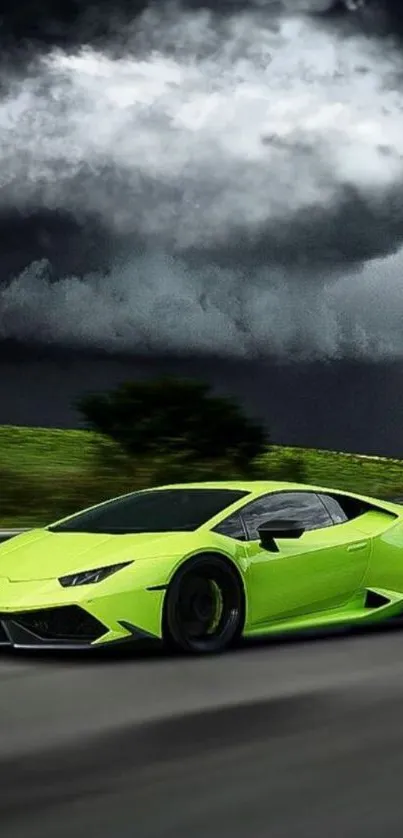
(203, 610)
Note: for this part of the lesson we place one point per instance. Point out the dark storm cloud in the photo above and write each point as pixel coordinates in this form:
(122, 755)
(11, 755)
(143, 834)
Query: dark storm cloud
(72, 20)
(352, 230)
(67, 244)
(202, 182)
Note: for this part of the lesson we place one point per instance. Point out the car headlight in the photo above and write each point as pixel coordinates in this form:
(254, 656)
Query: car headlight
(90, 577)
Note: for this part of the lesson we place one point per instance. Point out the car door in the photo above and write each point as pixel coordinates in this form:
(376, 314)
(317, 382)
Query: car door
(320, 570)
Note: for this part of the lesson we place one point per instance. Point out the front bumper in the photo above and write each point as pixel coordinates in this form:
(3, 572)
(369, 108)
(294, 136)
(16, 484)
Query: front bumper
(67, 626)
(63, 627)
(40, 613)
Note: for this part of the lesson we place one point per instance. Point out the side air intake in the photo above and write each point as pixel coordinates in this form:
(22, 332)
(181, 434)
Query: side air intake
(374, 600)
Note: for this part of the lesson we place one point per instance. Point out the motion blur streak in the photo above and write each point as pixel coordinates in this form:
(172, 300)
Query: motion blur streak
(246, 169)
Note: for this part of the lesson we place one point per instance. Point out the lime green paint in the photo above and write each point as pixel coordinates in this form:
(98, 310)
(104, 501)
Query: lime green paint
(320, 579)
(345, 615)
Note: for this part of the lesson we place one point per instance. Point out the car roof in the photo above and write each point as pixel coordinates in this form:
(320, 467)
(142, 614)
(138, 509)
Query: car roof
(255, 487)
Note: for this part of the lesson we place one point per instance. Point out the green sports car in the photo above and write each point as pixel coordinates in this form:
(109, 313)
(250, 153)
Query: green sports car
(198, 565)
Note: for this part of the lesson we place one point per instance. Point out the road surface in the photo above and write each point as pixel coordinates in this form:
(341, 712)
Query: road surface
(275, 740)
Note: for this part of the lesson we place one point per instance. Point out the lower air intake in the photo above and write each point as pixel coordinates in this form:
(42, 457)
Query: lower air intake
(3, 636)
(67, 624)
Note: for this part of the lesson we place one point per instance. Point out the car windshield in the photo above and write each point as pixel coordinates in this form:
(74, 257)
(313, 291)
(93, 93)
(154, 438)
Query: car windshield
(159, 510)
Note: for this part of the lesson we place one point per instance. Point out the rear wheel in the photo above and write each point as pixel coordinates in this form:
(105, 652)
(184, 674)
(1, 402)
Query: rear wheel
(204, 606)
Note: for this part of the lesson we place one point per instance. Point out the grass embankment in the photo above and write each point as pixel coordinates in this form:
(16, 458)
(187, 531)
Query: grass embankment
(46, 473)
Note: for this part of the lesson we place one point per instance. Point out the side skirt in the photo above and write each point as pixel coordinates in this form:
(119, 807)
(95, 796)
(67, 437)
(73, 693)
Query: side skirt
(378, 605)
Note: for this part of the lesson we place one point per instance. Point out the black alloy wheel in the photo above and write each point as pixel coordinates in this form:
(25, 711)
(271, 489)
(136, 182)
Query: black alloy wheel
(204, 606)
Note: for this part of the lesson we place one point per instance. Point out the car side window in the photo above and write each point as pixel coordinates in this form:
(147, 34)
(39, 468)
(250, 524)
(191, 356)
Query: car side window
(232, 527)
(306, 507)
(344, 508)
(335, 509)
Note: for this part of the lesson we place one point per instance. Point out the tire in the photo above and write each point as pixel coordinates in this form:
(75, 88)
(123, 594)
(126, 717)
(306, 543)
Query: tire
(204, 606)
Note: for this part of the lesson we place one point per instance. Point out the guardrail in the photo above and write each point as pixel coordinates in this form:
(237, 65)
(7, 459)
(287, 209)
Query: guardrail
(5, 535)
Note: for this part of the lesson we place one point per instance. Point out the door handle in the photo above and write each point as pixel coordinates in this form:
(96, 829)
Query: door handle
(353, 548)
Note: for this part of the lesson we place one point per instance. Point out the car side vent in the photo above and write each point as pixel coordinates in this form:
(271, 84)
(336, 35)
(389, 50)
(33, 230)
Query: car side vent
(374, 600)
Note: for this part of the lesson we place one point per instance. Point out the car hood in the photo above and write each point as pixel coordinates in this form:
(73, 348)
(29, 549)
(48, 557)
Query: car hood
(40, 554)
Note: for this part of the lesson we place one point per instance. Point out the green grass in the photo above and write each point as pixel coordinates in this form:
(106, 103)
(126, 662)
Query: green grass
(47, 473)
(376, 476)
(42, 450)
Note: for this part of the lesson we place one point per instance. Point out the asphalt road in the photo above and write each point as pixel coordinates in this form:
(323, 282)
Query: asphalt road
(282, 739)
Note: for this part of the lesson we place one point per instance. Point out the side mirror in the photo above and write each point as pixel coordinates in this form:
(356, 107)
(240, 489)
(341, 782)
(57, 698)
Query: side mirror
(280, 528)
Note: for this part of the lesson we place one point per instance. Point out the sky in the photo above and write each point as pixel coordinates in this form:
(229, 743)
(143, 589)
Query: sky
(183, 182)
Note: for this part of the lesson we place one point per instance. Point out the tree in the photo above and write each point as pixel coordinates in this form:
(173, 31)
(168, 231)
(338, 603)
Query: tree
(169, 417)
